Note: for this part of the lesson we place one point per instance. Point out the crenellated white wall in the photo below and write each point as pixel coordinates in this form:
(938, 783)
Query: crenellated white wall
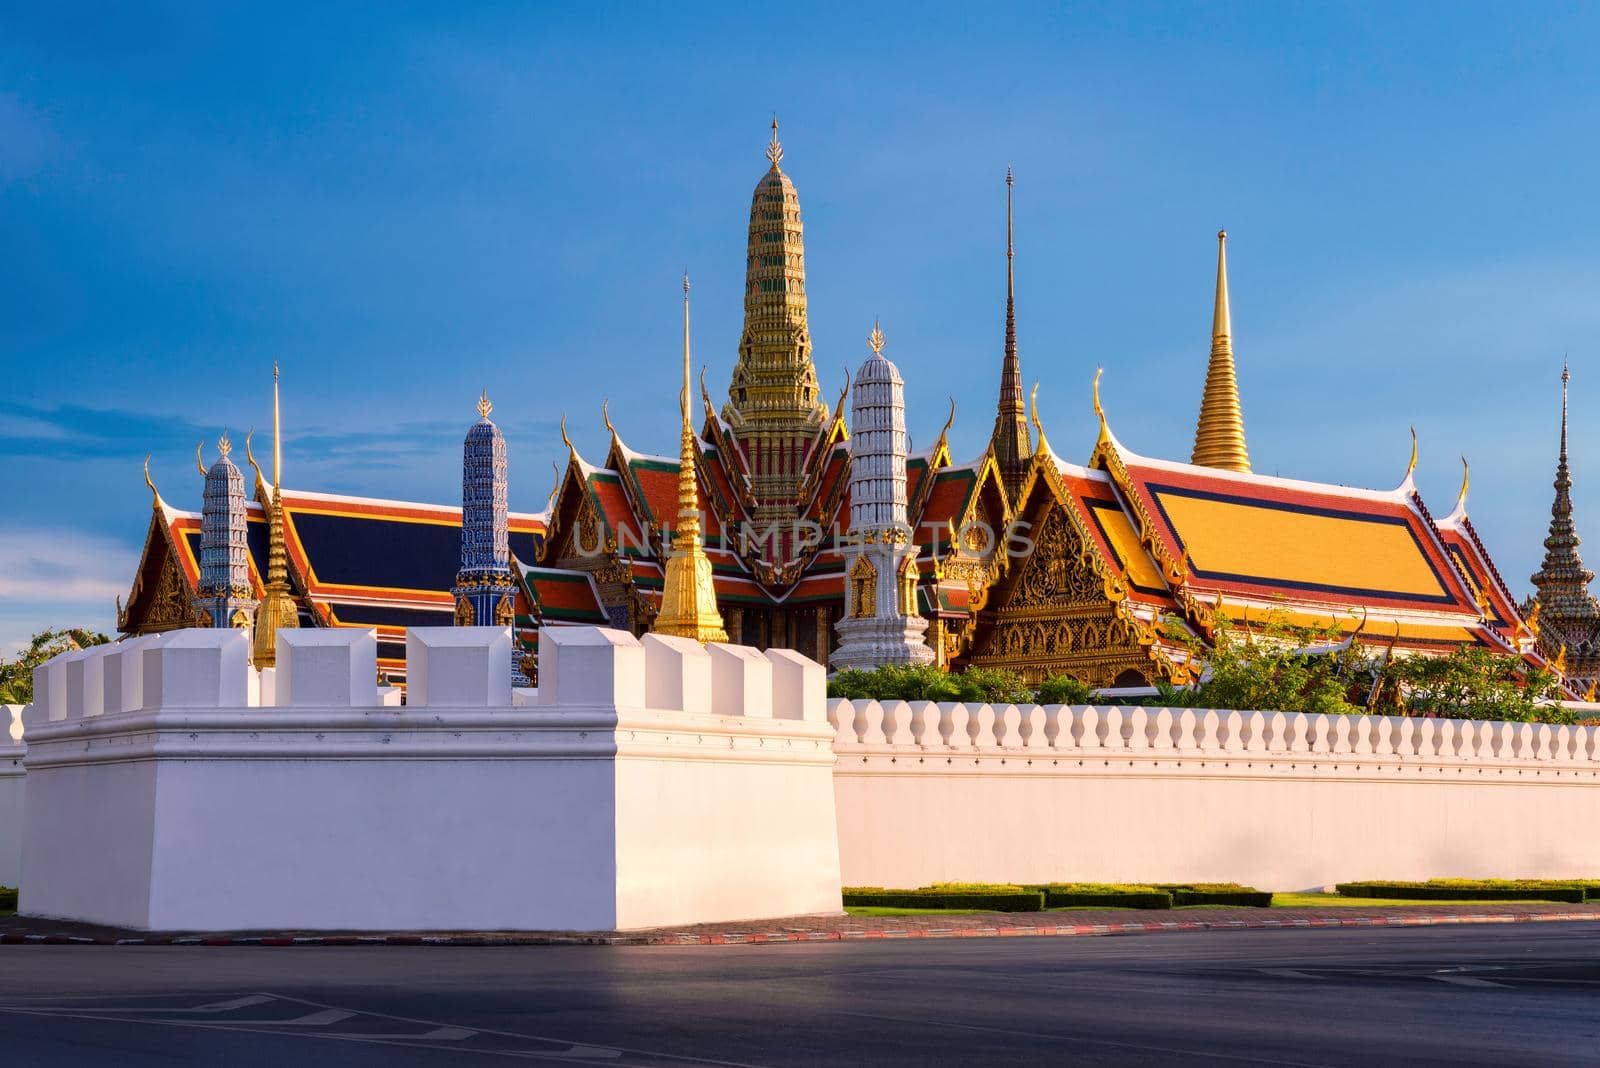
(951, 792)
(11, 796)
(641, 787)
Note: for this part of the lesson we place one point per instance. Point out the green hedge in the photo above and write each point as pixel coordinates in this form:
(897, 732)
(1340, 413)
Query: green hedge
(8, 899)
(1572, 892)
(1218, 894)
(988, 898)
(1103, 895)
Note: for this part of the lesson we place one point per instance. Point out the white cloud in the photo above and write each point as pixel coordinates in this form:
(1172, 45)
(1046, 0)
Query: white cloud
(63, 566)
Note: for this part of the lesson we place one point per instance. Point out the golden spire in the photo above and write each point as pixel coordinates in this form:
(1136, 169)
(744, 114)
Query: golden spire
(688, 598)
(277, 610)
(1219, 436)
(775, 408)
(224, 446)
(485, 406)
(277, 430)
(775, 149)
(875, 339)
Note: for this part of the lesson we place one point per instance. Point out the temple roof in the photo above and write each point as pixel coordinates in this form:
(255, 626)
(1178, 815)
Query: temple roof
(1186, 538)
(354, 561)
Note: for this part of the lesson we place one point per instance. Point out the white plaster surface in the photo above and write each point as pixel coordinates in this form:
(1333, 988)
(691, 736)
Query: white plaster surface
(11, 794)
(799, 686)
(1280, 801)
(326, 666)
(568, 816)
(123, 685)
(677, 673)
(741, 681)
(590, 666)
(197, 668)
(468, 666)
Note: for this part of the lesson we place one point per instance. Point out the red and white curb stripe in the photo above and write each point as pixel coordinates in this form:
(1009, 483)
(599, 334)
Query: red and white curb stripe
(735, 938)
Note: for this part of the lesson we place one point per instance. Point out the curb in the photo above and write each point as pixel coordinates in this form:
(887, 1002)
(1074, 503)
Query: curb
(739, 938)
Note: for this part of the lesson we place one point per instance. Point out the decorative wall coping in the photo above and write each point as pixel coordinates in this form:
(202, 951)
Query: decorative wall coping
(925, 726)
(190, 694)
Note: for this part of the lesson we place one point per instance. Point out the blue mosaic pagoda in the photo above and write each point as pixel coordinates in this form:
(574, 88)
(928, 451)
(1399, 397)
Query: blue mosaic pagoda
(485, 588)
(224, 597)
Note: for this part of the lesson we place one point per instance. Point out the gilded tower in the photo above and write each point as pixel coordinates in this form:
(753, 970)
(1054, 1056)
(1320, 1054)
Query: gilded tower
(1219, 436)
(277, 606)
(773, 400)
(224, 597)
(688, 597)
(1013, 447)
(1568, 614)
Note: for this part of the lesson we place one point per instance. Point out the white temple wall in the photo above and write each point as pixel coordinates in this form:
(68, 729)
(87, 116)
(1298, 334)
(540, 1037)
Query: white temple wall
(935, 793)
(585, 807)
(11, 794)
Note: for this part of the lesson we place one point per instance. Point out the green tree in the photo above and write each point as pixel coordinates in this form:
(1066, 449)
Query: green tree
(1064, 690)
(1475, 683)
(16, 675)
(900, 682)
(1273, 666)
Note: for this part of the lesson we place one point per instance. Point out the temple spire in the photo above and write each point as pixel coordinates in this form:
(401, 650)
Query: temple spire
(1012, 444)
(277, 611)
(1562, 581)
(688, 597)
(1219, 436)
(223, 597)
(774, 409)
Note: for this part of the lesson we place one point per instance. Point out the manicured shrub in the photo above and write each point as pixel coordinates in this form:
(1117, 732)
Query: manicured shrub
(8, 899)
(985, 897)
(1103, 895)
(1574, 892)
(1218, 894)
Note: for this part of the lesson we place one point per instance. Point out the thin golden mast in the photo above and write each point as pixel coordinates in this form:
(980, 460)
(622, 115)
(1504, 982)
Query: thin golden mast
(688, 598)
(277, 607)
(1219, 437)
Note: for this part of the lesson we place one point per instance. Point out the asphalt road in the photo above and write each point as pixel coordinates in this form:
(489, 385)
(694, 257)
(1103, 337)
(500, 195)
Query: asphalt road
(1526, 994)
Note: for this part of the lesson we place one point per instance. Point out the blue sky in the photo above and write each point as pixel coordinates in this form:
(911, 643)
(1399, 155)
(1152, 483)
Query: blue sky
(404, 204)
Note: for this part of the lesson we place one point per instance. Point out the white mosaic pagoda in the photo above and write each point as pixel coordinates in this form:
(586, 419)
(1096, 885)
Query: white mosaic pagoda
(881, 624)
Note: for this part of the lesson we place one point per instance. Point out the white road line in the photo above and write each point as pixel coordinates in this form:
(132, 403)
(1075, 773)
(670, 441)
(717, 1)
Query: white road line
(311, 1019)
(1467, 980)
(1082, 1040)
(574, 1052)
(198, 1010)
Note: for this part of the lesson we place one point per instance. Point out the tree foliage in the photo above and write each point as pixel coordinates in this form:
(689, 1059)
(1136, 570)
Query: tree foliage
(16, 674)
(1474, 683)
(1273, 666)
(897, 682)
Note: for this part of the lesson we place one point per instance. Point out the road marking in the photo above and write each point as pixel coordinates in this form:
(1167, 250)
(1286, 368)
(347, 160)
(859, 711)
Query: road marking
(1236, 1058)
(196, 1018)
(1467, 980)
(215, 1007)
